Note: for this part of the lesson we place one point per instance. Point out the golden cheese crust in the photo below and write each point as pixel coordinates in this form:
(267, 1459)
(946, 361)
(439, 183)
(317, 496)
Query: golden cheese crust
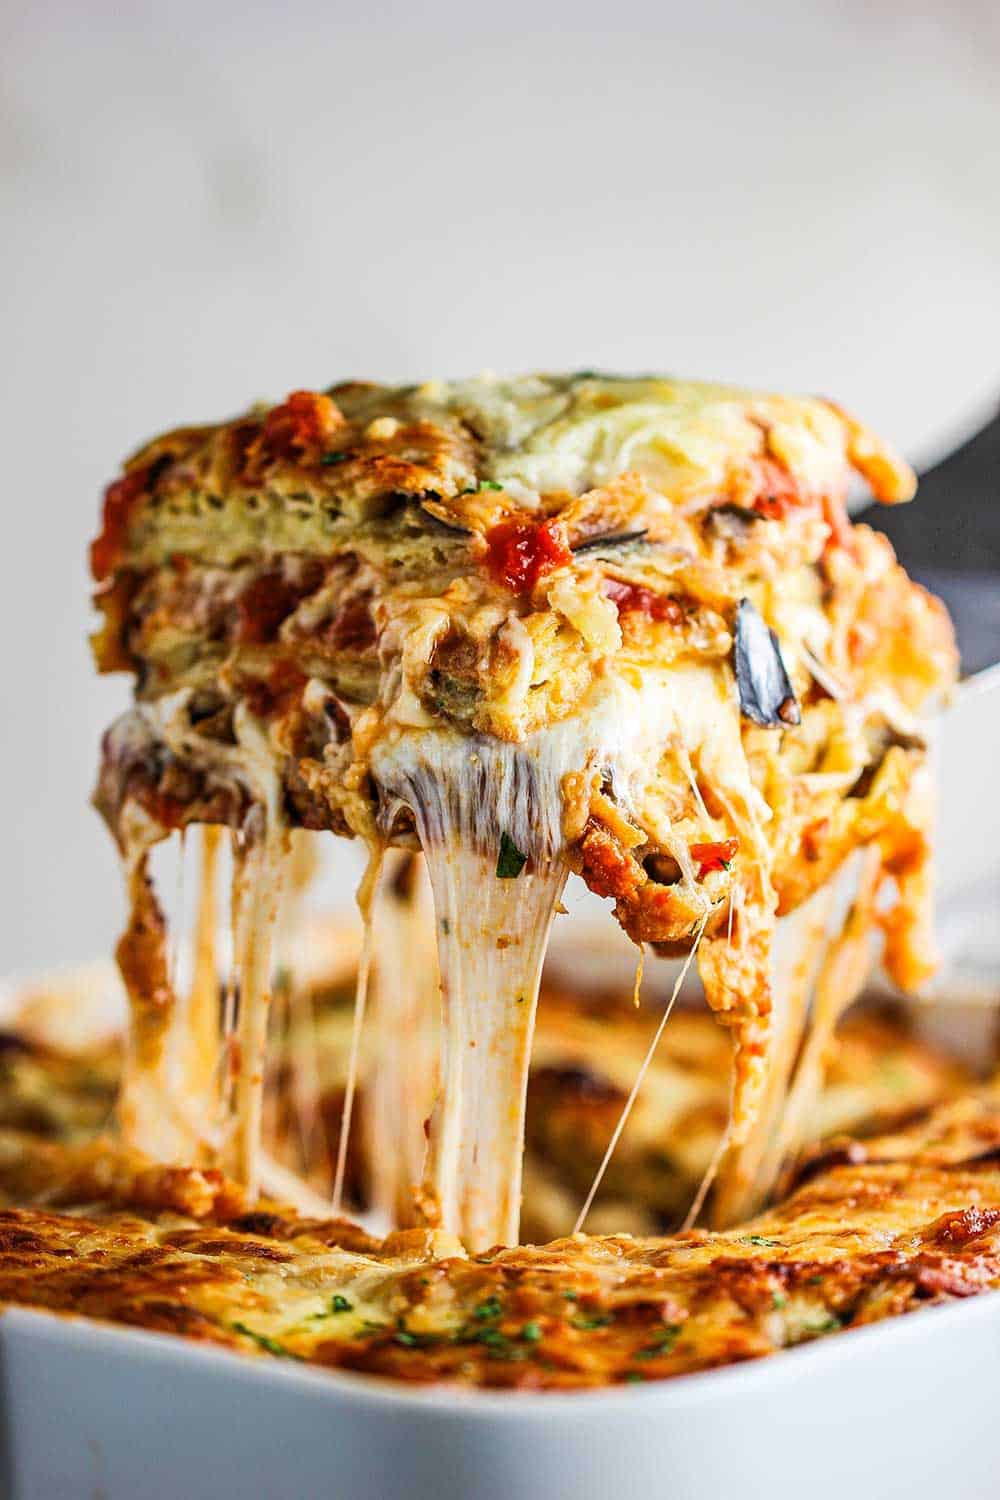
(892, 1225)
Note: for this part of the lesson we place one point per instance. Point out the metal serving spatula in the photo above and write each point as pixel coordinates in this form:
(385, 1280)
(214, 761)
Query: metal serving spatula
(949, 539)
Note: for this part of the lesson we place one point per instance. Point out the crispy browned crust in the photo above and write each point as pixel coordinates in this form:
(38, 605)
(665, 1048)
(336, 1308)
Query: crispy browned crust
(909, 1220)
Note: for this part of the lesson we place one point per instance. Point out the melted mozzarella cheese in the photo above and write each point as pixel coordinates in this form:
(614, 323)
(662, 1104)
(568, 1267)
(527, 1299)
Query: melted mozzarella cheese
(467, 798)
(492, 934)
(401, 1082)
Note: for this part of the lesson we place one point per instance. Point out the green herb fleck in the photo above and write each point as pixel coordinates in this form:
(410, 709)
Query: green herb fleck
(368, 1329)
(634, 1377)
(338, 1304)
(814, 1280)
(262, 1341)
(510, 860)
(531, 1333)
(779, 1300)
(491, 1308)
(758, 1239)
(571, 1296)
(329, 459)
(411, 1340)
(484, 484)
(829, 1324)
(498, 1345)
(493, 1338)
(663, 1344)
(599, 1320)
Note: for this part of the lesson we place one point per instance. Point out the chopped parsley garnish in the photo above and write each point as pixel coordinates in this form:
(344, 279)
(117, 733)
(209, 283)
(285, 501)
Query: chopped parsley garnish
(634, 1377)
(758, 1239)
(571, 1296)
(510, 860)
(411, 1340)
(262, 1341)
(497, 1344)
(779, 1300)
(663, 1344)
(598, 1320)
(368, 1329)
(338, 1304)
(828, 1324)
(484, 484)
(329, 459)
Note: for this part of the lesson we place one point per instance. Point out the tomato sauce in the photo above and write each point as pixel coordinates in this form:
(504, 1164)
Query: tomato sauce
(635, 598)
(521, 552)
(717, 856)
(270, 696)
(262, 607)
(300, 427)
(120, 499)
(777, 493)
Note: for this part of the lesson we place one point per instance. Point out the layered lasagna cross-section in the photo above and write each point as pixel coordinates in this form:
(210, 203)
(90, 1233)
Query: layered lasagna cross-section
(621, 627)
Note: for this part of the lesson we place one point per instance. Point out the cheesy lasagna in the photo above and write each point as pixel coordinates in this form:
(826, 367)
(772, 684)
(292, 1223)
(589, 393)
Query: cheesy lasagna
(622, 627)
(877, 1230)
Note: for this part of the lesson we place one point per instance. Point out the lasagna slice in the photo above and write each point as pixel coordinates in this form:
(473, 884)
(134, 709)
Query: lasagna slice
(617, 626)
(880, 1229)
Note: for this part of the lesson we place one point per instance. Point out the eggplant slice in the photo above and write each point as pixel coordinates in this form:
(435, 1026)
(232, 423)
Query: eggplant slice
(766, 695)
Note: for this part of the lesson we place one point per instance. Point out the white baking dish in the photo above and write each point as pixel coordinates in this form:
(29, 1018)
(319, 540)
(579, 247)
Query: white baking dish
(906, 1408)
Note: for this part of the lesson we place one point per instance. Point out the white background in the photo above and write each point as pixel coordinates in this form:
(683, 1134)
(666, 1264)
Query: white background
(201, 205)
